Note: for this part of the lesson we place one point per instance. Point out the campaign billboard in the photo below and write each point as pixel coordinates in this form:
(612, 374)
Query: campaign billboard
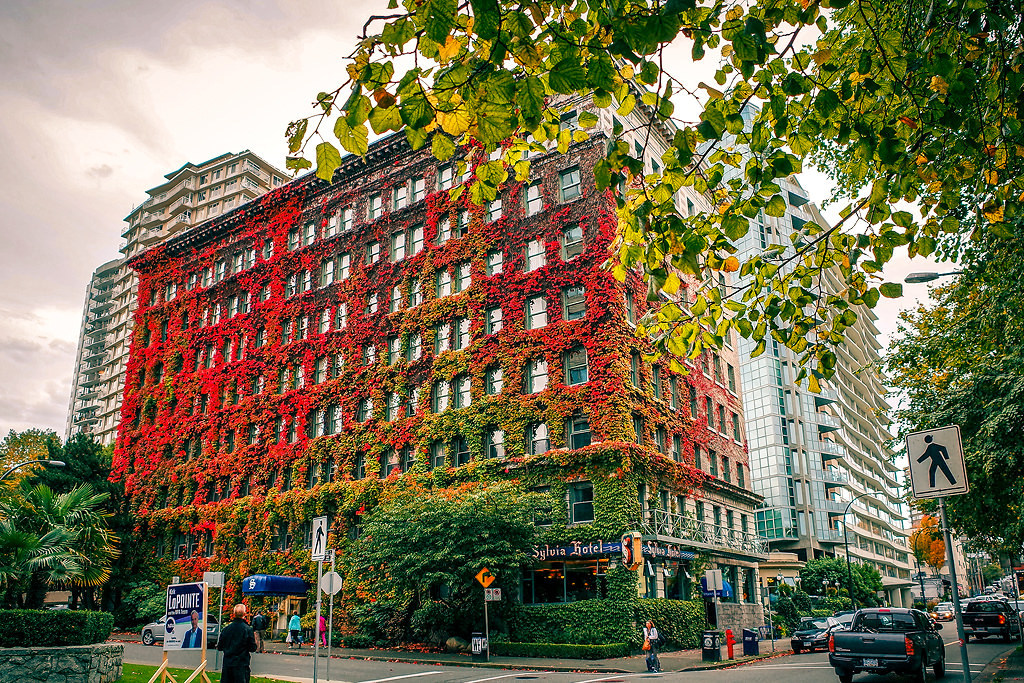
(185, 618)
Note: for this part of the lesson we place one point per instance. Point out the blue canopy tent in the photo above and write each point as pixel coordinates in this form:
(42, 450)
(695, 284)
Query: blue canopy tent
(266, 584)
(726, 591)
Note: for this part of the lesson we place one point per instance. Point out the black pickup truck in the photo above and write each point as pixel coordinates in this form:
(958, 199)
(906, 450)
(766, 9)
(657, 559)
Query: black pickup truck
(984, 618)
(884, 640)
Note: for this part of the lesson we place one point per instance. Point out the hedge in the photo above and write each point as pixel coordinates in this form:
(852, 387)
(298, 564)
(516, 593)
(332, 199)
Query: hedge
(595, 622)
(28, 628)
(560, 650)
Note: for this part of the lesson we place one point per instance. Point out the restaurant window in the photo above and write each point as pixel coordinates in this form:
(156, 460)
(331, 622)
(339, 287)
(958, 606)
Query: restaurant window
(581, 502)
(563, 582)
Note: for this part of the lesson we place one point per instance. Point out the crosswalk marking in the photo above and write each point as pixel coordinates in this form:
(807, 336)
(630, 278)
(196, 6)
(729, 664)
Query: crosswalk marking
(398, 678)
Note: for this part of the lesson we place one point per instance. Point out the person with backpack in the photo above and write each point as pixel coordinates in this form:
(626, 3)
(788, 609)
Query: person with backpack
(295, 631)
(651, 640)
(260, 623)
(237, 642)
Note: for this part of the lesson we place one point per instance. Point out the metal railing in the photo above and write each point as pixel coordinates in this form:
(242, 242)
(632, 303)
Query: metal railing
(700, 533)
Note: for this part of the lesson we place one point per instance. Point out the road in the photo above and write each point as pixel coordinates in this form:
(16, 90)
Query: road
(805, 668)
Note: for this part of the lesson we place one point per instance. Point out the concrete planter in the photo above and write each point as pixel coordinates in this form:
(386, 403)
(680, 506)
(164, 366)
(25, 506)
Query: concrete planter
(100, 663)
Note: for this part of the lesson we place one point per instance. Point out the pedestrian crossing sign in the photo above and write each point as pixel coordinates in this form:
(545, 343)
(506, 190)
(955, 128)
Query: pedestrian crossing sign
(936, 463)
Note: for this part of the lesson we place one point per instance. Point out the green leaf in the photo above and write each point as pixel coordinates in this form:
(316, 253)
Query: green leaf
(776, 206)
(567, 76)
(735, 226)
(588, 119)
(530, 97)
(382, 120)
(891, 290)
(352, 139)
(296, 135)
(328, 159)
(442, 147)
(297, 163)
(440, 18)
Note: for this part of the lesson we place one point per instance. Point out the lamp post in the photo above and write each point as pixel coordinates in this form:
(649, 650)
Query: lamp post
(846, 543)
(919, 278)
(771, 626)
(48, 463)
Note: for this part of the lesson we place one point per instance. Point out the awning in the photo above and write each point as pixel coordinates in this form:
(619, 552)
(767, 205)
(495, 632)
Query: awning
(265, 584)
(726, 591)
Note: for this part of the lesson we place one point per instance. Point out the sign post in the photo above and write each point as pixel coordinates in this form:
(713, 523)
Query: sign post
(318, 555)
(486, 578)
(330, 583)
(713, 581)
(937, 470)
(216, 580)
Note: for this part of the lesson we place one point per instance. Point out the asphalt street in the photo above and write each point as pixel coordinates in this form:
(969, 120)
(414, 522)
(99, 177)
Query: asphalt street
(804, 668)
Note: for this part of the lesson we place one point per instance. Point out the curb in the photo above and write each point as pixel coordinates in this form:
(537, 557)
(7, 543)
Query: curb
(1011, 663)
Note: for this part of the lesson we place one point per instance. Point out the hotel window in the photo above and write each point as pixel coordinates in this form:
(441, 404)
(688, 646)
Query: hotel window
(578, 432)
(536, 312)
(576, 368)
(293, 239)
(327, 273)
(638, 428)
(408, 458)
(400, 196)
(397, 246)
(721, 419)
(492, 320)
(341, 316)
(634, 369)
(222, 267)
(373, 252)
(376, 206)
(718, 370)
(444, 230)
(287, 331)
(461, 222)
(569, 183)
(673, 393)
(415, 348)
(661, 440)
(320, 370)
(443, 282)
(344, 265)
(307, 280)
(726, 470)
(494, 262)
(537, 442)
(417, 189)
(394, 350)
(536, 376)
(533, 201)
(437, 455)
(574, 303)
(442, 338)
(656, 381)
(411, 401)
(709, 409)
(572, 242)
(697, 460)
(630, 307)
(493, 211)
(396, 299)
(713, 458)
(364, 410)
(303, 327)
(445, 177)
(369, 354)
(371, 303)
(677, 448)
(736, 428)
(493, 381)
(462, 277)
(391, 407)
(462, 396)
(345, 219)
(731, 371)
(494, 445)
(581, 502)
(535, 257)
(308, 233)
(460, 451)
(338, 365)
(416, 235)
(740, 477)
(415, 292)
(693, 402)
(236, 264)
(291, 285)
(332, 225)
(461, 329)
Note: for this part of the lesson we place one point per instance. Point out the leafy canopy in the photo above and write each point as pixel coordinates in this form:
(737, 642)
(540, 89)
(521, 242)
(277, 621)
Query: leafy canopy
(902, 103)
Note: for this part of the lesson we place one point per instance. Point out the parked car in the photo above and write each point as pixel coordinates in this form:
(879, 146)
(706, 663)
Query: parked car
(810, 635)
(888, 639)
(153, 632)
(943, 612)
(844, 619)
(985, 618)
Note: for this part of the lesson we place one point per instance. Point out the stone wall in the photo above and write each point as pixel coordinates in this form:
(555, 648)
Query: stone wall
(739, 616)
(99, 663)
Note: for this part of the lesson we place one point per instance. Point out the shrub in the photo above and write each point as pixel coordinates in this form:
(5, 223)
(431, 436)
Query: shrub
(679, 622)
(26, 628)
(560, 650)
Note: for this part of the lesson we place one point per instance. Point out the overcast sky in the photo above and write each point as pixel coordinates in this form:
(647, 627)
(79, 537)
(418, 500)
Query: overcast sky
(100, 100)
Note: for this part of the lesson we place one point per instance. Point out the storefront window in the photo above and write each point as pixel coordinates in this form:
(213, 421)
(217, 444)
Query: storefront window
(560, 582)
(677, 585)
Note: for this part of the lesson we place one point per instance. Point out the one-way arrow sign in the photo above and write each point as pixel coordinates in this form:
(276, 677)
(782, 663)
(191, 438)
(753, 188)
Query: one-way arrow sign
(937, 466)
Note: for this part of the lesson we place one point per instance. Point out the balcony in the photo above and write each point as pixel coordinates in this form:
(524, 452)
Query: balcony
(825, 397)
(829, 505)
(669, 527)
(837, 477)
(151, 237)
(183, 204)
(830, 536)
(831, 450)
(825, 421)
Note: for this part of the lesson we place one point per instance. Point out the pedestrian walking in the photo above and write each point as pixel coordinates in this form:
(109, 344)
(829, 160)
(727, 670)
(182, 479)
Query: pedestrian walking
(651, 640)
(295, 631)
(236, 642)
(322, 624)
(260, 623)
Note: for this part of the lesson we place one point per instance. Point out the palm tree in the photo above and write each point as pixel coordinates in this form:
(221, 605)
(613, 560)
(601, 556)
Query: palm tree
(49, 539)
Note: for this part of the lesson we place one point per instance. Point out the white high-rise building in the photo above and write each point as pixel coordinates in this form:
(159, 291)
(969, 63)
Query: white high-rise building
(821, 458)
(187, 197)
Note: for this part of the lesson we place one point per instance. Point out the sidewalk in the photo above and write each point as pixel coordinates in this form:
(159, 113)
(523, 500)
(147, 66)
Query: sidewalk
(1008, 668)
(680, 660)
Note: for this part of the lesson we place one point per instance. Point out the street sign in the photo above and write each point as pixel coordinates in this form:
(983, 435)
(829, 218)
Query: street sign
(214, 579)
(330, 583)
(492, 594)
(319, 553)
(485, 577)
(713, 580)
(937, 466)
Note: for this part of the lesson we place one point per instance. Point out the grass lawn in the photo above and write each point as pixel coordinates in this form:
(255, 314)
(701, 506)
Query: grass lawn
(141, 673)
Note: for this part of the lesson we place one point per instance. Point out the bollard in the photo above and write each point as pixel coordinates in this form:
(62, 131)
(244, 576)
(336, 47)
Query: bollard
(730, 643)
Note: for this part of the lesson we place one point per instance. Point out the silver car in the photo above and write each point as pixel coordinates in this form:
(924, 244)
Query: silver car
(153, 632)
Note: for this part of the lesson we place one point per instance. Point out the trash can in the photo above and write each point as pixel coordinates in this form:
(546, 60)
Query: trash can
(750, 639)
(711, 649)
(478, 646)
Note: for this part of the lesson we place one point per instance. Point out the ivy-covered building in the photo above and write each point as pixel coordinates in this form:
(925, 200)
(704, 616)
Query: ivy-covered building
(299, 354)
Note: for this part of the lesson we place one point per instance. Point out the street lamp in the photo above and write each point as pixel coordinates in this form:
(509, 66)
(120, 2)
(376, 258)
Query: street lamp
(918, 278)
(47, 463)
(846, 543)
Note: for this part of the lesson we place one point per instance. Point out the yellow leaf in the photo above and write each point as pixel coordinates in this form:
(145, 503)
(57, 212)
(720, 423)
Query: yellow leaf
(627, 72)
(454, 122)
(939, 84)
(735, 13)
(991, 176)
(821, 56)
(732, 264)
(994, 213)
(671, 285)
(446, 52)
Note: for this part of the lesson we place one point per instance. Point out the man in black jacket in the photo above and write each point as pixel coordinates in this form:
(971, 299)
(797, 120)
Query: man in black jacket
(236, 642)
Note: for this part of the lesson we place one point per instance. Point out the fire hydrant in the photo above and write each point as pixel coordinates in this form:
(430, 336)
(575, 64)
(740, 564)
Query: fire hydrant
(730, 642)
